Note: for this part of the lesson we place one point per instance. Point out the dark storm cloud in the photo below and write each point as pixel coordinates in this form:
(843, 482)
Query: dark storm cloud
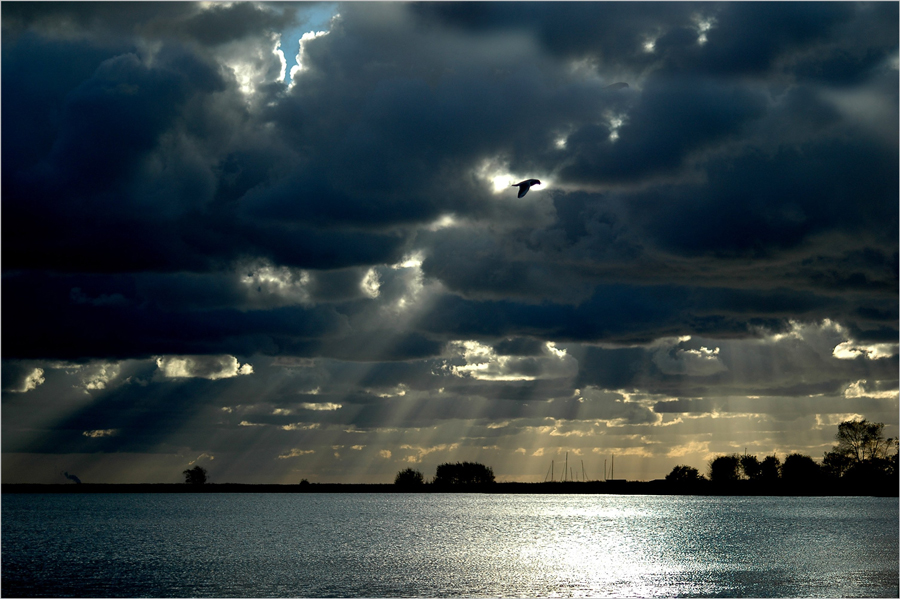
(744, 37)
(175, 212)
(216, 25)
(674, 119)
(72, 328)
(613, 32)
(631, 314)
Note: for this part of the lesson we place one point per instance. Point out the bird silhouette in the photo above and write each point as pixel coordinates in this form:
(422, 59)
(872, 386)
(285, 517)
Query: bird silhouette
(525, 185)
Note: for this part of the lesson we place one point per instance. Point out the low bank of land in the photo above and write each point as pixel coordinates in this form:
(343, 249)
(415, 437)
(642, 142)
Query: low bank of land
(618, 487)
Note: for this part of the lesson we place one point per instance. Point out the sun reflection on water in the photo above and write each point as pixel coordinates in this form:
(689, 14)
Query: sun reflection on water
(470, 545)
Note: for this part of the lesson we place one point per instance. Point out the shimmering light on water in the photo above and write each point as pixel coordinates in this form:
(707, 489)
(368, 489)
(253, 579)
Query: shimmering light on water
(447, 545)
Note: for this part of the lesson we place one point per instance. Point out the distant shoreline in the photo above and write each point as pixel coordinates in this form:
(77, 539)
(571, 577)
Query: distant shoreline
(655, 487)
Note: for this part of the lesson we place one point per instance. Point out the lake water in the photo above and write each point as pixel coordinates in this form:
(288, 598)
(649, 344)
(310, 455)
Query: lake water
(392, 545)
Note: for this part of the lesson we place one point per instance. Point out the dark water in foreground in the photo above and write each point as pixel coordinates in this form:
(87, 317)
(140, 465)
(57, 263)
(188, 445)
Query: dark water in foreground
(391, 545)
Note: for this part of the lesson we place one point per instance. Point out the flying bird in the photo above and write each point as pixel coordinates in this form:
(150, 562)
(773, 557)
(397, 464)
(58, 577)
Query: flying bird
(525, 185)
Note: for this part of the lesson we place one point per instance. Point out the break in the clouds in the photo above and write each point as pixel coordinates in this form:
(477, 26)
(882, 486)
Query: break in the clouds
(283, 239)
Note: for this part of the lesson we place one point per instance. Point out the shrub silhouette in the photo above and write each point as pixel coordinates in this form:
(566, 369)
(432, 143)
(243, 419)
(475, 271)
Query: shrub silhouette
(770, 469)
(800, 469)
(725, 468)
(195, 476)
(465, 473)
(750, 466)
(684, 474)
(409, 477)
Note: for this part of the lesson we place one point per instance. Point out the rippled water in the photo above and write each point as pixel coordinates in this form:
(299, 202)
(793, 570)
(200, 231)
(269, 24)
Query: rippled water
(325, 545)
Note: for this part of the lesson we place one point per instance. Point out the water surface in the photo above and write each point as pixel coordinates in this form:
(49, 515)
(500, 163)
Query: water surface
(392, 545)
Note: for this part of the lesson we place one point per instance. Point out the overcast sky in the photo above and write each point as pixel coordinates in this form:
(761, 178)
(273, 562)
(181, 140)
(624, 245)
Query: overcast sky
(280, 240)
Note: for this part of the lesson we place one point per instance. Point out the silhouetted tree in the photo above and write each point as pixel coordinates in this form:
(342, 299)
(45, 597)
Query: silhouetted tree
(862, 440)
(800, 469)
(750, 466)
(465, 473)
(894, 460)
(862, 454)
(684, 475)
(195, 476)
(725, 468)
(409, 477)
(770, 469)
(835, 463)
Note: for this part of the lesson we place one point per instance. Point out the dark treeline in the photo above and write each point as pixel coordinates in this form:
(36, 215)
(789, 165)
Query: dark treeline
(449, 475)
(862, 461)
(618, 487)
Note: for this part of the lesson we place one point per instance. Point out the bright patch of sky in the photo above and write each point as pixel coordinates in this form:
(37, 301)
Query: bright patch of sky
(32, 381)
(95, 434)
(849, 350)
(317, 24)
(483, 363)
(279, 285)
(496, 172)
(206, 367)
(703, 26)
(371, 283)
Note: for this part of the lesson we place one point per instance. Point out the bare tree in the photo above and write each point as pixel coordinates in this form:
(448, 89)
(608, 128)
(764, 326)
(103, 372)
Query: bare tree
(862, 440)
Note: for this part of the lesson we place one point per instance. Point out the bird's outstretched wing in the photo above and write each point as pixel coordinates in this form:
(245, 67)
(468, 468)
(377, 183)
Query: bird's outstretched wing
(525, 185)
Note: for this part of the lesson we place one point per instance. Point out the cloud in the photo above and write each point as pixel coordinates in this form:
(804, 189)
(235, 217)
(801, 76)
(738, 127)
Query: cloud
(483, 363)
(420, 452)
(109, 432)
(31, 380)
(202, 456)
(327, 406)
(692, 362)
(877, 389)
(207, 367)
(712, 258)
(294, 453)
(848, 350)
